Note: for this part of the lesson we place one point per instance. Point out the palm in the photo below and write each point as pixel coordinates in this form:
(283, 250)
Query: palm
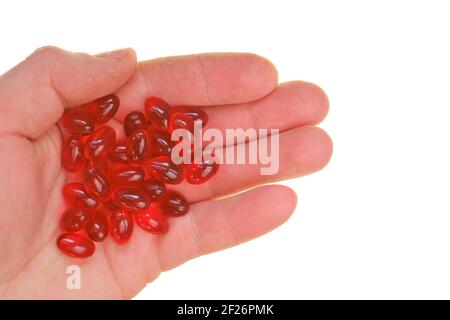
(32, 178)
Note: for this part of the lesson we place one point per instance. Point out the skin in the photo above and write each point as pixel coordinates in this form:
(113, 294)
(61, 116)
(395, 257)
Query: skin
(237, 90)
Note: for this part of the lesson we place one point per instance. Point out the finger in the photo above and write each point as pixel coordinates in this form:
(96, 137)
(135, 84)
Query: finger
(290, 105)
(34, 93)
(302, 151)
(215, 225)
(201, 79)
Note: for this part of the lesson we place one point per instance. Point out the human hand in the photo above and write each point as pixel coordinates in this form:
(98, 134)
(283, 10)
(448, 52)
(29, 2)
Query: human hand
(237, 90)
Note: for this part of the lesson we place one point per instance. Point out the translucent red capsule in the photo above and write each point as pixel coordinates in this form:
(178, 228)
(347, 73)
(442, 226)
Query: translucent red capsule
(163, 169)
(200, 173)
(72, 157)
(128, 175)
(75, 194)
(100, 143)
(155, 189)
(131, 198)
(158, 112)
(97, 227)
(180, 120)
(97, 183)
(75, 245)
(103, 109)
(78, 121)
(195, 113)
(138, 147)
(135, 121)
(174, 204)
(152, 220)
(74, 219)
(161, 143)
(121, 226)
(118, 154)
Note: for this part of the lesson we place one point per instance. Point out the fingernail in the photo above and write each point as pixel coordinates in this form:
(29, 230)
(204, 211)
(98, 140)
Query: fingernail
(116, 54)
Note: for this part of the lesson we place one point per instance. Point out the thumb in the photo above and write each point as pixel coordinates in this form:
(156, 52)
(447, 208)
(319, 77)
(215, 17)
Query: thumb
(33, 94)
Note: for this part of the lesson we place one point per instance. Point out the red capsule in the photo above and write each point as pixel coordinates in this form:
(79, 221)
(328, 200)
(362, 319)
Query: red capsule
(75, 245)
(138, 147)
(118, 154)
(195, 113)
(103, 109)
(72, 157)
(158, 112)
(200, 173)
(121, 226)
(100, 143)
(152, 220)
(78, 121)
(131, 198)
(161, 143)
(135, 121)
(164, 170)
(173, 204)
(128, 175)
(75, 194)
(97, 183)
(180, 120)
(97, 227)
(73, 219)
(155, 189)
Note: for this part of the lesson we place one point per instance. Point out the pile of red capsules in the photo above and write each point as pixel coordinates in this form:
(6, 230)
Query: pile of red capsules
(120, 183)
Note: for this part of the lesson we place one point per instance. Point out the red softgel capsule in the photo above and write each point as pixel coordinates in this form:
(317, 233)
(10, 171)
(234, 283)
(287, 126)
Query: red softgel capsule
(138, 147)
(128, 175)
(75, 245)
(78, 121)
(163, 169)
(152, 220)
(180, 120)
(103, 109)
(97, 227)
(74, 219)
(155, 189)
(76, 195)
(158, 112)
(200, 173)
(118, 154)
(161, 142)
(134, 121)
(121, 226)
(97, 183)
(100, 143)
(131, 198)
(72, 157)
(173, 204)
(195, 113)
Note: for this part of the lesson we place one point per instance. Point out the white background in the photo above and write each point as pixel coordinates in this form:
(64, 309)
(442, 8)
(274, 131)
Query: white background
(376, 222)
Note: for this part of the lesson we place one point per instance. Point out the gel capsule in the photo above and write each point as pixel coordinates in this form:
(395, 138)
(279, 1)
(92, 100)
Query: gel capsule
(104, 108)
(97, 227)
(164, 170)
(161, 143)
(195, 113)
(128, 175)
(75, 245)
(200, 173)
(97, 183)
(121, 226)
(138, 147)
(180, 120)
(72, 157)
(155, 189)
(152, 220)
(135, 121)
(100, 143)
(75, 194)
(74, 219)
(158, 112)
(78, 121)
(131, 198)
(118, 154)
(173, 204)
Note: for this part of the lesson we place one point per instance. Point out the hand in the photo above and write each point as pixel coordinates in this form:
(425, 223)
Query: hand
(237, 90)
